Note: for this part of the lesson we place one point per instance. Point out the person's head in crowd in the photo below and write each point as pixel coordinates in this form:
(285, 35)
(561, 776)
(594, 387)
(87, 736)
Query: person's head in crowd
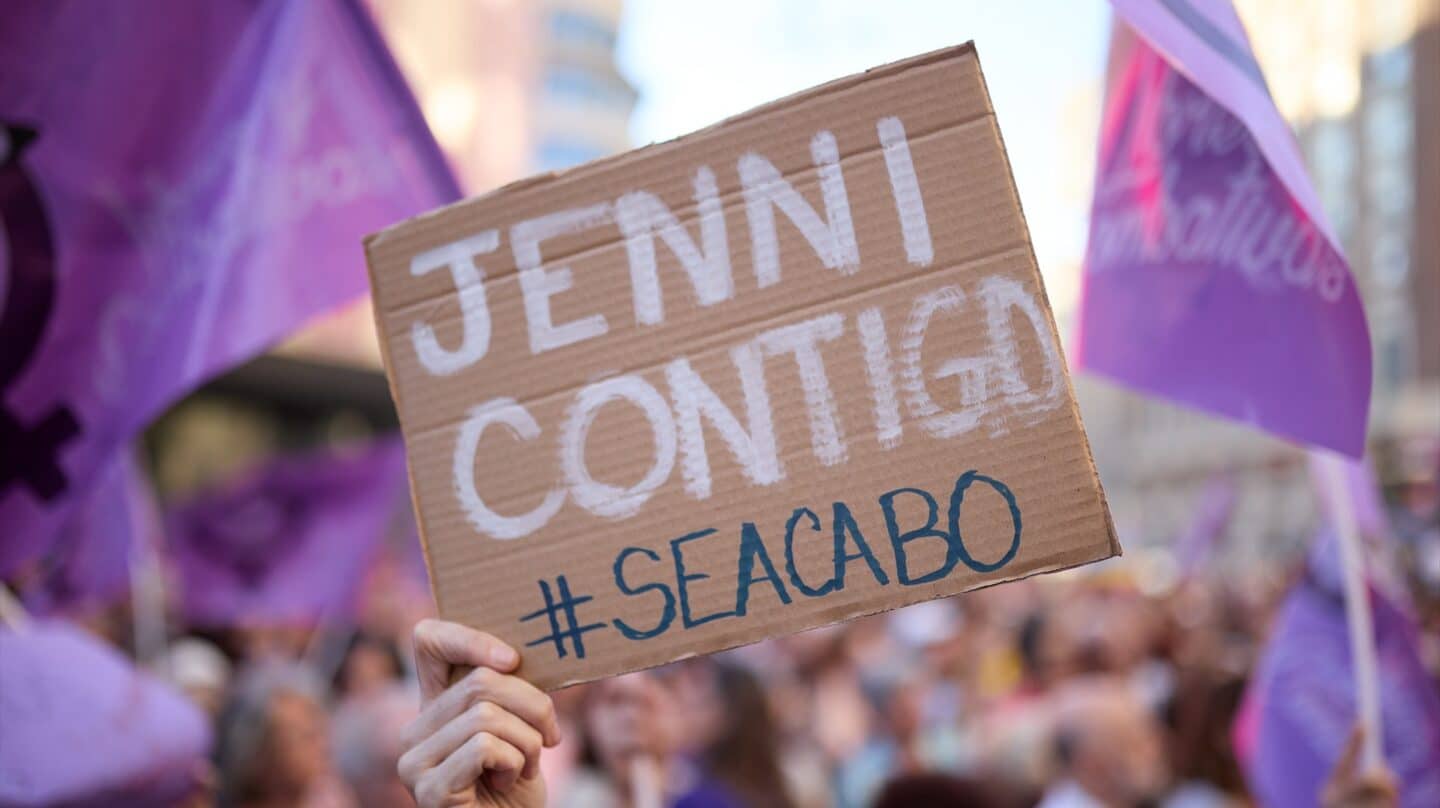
(1046, 656)
(1108, 747)
(367, 738)
(939, 788)
(900, 706)
(1199, 718)
(371, 663)
(273, 740)
(200, 670)
(744, 754)
(624, 724)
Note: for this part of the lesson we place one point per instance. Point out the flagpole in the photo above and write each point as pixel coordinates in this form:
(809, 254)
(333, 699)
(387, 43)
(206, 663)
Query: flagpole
(1357, 611)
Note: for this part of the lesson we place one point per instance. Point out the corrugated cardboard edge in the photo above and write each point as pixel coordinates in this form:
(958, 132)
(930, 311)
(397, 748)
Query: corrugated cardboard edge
(1073, 401)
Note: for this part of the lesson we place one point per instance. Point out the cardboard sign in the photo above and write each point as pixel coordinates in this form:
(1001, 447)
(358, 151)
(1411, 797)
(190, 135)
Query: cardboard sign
(789, 370)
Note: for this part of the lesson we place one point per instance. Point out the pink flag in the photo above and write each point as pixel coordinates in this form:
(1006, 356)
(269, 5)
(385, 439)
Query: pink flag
(1211, 274)
(181, 184)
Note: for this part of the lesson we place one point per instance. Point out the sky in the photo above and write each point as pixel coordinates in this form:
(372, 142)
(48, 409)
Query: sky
(695, 63)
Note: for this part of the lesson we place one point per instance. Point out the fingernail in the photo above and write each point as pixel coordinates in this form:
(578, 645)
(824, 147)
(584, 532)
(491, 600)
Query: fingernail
(503, 655)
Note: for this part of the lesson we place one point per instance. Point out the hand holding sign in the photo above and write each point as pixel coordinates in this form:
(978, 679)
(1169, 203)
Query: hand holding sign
(476, 742)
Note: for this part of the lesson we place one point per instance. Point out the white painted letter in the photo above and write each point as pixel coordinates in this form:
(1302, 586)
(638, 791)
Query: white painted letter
(506, 412)
(538, 284)
(938, 422)
(601, 499)
(642, 216)
(1002, 295)
(754, 449)
(832, 238)
(909, 205)
(882, 385)
(827, 439)
(469, 279)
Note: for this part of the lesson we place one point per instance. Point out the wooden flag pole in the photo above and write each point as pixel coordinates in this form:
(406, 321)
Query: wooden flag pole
(1357, 611)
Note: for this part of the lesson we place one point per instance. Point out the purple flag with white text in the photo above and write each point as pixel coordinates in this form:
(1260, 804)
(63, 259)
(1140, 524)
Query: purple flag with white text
(292, 541)
(181, 184)
(1211, 275)
(1301, 700)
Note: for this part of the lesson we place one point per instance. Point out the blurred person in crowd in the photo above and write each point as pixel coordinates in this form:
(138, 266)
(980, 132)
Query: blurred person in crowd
(939, 789)
(1108, 748)
(1199, 717)
(744, 753)
(1047, 653)
(918, 732)
(200, 670)
(371, 663)
(368, 730)
(273, 743)
(625, 737)
(689, 736)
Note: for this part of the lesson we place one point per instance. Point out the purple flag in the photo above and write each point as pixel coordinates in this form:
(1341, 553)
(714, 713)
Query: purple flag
(1211, 275)
(291, 542)
(181, 184)
(80, 726)
(1196, 544)
(89, 562)
(1301, 701)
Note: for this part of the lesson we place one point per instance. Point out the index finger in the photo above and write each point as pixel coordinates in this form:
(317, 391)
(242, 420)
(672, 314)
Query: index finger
(441, 645)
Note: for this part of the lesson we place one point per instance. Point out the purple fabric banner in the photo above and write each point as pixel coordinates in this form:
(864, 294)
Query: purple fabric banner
(89, 563)
(1211, 277)
(291, 542)
(1301, 703)
(181, 184)
(80, 726)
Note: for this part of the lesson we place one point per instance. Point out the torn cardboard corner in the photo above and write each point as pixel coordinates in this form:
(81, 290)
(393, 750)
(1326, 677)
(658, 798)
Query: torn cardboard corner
(792, 369)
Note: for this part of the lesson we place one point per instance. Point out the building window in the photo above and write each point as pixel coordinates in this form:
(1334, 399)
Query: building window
(556, 153)
(572, 84)
(573, 27)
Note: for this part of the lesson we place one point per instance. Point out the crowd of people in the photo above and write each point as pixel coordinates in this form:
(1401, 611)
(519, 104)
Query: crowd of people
(1093, 687)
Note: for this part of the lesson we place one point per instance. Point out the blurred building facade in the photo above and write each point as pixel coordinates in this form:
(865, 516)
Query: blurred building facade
(1360, 81)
